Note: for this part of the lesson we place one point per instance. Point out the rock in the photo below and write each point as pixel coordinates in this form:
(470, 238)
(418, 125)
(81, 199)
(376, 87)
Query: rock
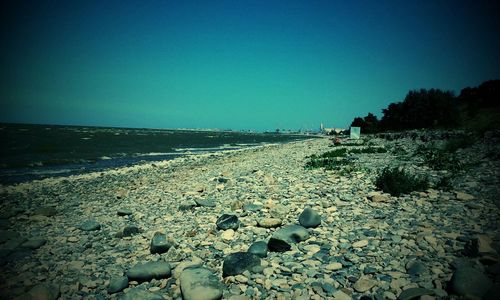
(415, 268)
(414, 293)
(364, 284)
(124, 212)
(130, 230)
(34, 243)
(252, 207)
(360, 244)
(43, 292)
(150, 270)
(227, 235)
(378, 197)
(269, 222)
(340, 295)
(47, 211)
(159, 243)
(198, 283)
(239, 262)
(309, 218)
(140, 294)
(117, 284)
(334, 266)
(227, 221)
(195, 261)
(205, 202)
(90, 225)
(283, 238)
(463, 196)
(469, 281)
(259, 249)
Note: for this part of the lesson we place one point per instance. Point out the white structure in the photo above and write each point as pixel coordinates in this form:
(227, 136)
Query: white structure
(355, 133)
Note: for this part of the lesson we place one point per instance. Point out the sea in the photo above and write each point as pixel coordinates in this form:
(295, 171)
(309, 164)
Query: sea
(29, 152)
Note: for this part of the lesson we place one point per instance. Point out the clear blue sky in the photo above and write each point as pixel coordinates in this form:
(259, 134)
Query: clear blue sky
(235, 64)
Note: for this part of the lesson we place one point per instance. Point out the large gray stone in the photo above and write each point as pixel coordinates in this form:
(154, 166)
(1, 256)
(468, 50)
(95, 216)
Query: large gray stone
(90, 225)
(117, 284)
(259, 249)
(283, 238)
(309, 218)
(470, 281)
(159, 243)
(140, 294)
(239, 262)
(43, 292)
(198, 283)
(149, 270)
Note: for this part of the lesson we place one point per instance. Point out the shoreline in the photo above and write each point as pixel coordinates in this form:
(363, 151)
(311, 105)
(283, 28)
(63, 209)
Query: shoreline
(366, 242)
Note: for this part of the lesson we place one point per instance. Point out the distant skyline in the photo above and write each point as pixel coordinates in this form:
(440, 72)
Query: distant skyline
(242, 65)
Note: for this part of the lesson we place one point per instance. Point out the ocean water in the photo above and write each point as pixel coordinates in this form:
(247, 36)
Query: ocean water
(30, 152)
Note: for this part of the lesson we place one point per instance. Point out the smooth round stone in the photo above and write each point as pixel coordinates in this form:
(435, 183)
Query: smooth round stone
(227, 221)
(415, 268)
(34, 243)
(117, 284)
(414, 293)
(198, 283)
(124, 212)
(309, 218)
(360, 244)
(130, 230)
(364, 284)
(205, 202)
(258, 248)
(149, 270)
(283, 238)
(159, 243)
(140, 294)
(470, 281)
(333, 266)
(269, 222)
(239, 262)
(90, 225)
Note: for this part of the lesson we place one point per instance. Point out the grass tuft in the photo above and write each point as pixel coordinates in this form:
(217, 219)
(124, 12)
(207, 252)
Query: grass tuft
(396, 182)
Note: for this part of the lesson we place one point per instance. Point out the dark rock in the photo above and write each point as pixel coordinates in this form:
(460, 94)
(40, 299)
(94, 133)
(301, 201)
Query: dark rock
(282, 238)
(198, 283)
(258, 248)
(328, 288)
(239, 262)
(117, 284)
(43, 291)
(149, 270)
(205, 202)
(227, 221)
(130, 230)
(34, 243)
(90, 225)
(159, 243)
(415, 268)
(124, 212)
(140, 294)
(414, 293)
(369, 270)
(47, 211)
(309, 218)
(469, 281)
(222, 180)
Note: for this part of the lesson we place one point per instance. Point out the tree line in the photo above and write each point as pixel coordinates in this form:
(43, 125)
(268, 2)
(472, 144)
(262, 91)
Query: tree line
(474, 108)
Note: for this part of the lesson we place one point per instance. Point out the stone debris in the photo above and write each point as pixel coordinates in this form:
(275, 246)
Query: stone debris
(255, 224)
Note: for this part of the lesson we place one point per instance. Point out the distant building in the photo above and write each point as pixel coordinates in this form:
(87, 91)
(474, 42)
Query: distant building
(330, 131)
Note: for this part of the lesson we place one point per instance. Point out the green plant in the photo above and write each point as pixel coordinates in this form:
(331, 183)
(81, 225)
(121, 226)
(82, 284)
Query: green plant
(396, 181)
(444, 184)
(442, 160)
(456, 143)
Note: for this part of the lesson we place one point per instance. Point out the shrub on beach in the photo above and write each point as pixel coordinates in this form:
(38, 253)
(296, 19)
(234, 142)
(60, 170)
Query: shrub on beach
(396, 181)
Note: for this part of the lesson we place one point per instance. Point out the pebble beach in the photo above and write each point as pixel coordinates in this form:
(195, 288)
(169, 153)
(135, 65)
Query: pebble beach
(255, 224)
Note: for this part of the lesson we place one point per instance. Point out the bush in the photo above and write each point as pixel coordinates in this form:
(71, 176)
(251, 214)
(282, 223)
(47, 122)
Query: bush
(442, 160)
(458, 143)
(396, 181)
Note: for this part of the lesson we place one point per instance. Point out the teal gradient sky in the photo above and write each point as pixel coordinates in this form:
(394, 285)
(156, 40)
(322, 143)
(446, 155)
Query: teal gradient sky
(255, 64)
